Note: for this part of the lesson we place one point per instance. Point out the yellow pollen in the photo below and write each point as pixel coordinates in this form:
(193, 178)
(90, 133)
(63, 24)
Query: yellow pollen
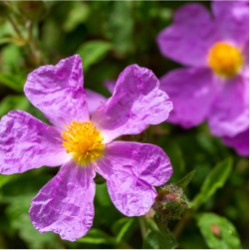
(83, 141)
(224, 59)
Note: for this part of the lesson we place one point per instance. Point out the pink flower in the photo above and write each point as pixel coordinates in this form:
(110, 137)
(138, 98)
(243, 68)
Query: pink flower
(83, 146)
(215, 85)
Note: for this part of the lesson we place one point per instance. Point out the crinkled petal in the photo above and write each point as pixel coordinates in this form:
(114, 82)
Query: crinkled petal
(190, 37)
(58, 91)
(110, 85)
(27, 143)
(192, 92)
(232, 19)
(137, 102)
(239, 142)
(65, 204)
(94, 100)
(131, 169)
(229, 115)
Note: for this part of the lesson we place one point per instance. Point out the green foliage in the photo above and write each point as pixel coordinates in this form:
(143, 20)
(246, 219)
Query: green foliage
(186, 179)
(12, 102)
(97, 237)
(93, 52)
(155, 239)
(119, 26)
(218, 232)
(216, 179)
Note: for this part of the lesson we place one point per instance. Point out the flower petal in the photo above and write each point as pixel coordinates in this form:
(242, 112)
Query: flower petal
(94, 100)
(131, 169)
(27, 143)
(239, 142)
(58, 91)
(190, 37)
(65, 204)
(232, 19)
(230, 113)
(192, 93)
(137, 102)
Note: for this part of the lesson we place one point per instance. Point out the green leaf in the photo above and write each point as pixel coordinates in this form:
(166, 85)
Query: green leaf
(77, 14)
(186, 179)
(11, 57)
(216, 179)
(18, 214)
(92, 52)
(14, 82)
(218, 232)
(5, 179)
(96, 236)
(11, 102)
(123, 228)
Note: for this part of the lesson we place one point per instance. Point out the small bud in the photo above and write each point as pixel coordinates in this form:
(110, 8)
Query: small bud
(170, 202)
(216, 230)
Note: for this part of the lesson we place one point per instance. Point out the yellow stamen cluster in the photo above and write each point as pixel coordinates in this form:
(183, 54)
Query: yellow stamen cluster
(225, 60)
(83, 141)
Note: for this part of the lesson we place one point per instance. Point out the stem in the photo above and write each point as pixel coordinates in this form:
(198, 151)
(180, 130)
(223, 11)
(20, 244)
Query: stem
(16, 28)
(183, 222)
(143, 227)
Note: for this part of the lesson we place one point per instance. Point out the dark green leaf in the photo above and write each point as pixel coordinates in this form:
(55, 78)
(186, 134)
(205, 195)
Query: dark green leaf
(186, 179)
(216, 179)
(123, 228)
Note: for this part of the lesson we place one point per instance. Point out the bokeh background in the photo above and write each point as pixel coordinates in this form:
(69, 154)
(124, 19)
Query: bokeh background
(110, 36)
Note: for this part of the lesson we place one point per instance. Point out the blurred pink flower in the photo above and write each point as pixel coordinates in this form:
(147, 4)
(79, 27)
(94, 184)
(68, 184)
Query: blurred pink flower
(215, 86)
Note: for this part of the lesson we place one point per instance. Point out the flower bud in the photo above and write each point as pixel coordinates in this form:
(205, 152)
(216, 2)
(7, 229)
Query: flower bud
(170, 202)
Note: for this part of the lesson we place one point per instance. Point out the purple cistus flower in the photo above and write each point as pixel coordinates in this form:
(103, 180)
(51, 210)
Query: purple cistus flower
(83, 146)
(215, 84)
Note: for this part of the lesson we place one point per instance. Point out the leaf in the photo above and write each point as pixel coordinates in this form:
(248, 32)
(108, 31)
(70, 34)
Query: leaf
(11, 56)
(14, 82)
(218, 232)
(77, 14)
(96, 236)
(5, 179)
(186, 179)
(216, 179)
(11, 102)
(123, 228)
(92, 52)
(18, 214)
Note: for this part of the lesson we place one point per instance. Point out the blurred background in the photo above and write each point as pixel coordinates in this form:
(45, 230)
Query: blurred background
(110, 36)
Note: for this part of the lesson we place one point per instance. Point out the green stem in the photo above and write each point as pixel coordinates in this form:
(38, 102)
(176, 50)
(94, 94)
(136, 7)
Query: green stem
(143, 227)
(182, 223)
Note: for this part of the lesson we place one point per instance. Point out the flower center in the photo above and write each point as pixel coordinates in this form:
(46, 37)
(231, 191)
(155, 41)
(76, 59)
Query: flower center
(224, 59)
(83, 141)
